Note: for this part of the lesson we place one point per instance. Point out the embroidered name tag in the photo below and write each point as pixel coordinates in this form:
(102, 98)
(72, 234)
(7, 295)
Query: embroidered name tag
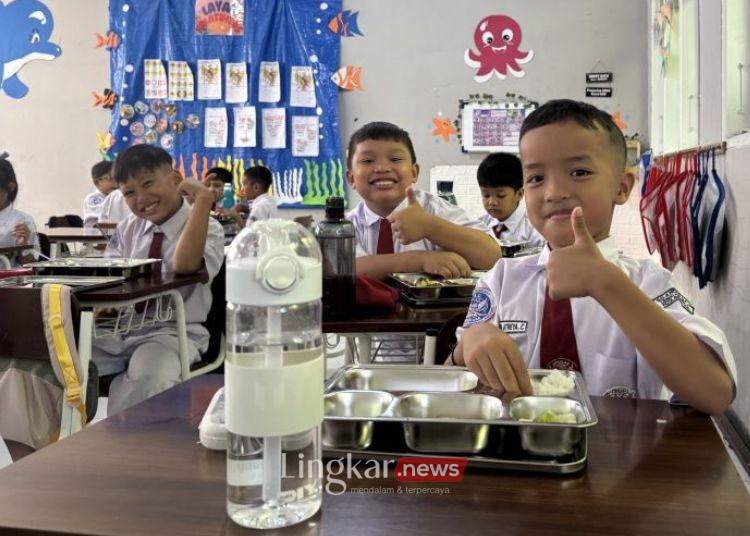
(514, 326)
(673, 295)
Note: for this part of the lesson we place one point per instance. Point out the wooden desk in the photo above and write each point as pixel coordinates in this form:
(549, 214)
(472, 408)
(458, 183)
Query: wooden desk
(404, 319)
(83, 235)
(7, 253)
(652, 470)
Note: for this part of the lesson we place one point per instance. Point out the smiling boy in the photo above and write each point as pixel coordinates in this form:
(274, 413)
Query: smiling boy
(162, 226)
(400, 228)
(580, 304)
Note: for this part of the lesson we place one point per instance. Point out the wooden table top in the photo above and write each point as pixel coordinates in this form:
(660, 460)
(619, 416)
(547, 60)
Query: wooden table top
(652, 470)
(139, 288)
(404, 319)
(75, 234)
(11, 250)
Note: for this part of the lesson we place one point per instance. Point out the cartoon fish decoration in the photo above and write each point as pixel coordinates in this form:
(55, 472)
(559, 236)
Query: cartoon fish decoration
(348, 77)
(345, 24)
(107, 100)
(111, 41)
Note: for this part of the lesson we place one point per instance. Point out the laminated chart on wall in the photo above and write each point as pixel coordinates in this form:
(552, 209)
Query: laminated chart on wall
(233, 95)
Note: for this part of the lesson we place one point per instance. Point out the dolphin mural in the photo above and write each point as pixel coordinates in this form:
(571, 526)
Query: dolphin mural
(25, 29)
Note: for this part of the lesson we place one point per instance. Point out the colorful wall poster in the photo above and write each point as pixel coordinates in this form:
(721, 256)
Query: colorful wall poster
(236, 83)
(181, 85)
(216, 127)
(209, 79)
(274, 128)
(305, 136)
(155, 79)
(269, 82)
(219, 17)
(245, 126)
(303, 87)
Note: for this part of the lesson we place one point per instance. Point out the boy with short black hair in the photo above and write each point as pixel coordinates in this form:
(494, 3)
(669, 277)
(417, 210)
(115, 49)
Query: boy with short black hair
(501, 184)
(215, 180)
(104, 184)
(580, 304)
(256, 183)
(163, 226)
(399, 228)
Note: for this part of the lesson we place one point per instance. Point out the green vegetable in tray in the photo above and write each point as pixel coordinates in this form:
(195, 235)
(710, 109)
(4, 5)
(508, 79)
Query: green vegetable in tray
(551, 416)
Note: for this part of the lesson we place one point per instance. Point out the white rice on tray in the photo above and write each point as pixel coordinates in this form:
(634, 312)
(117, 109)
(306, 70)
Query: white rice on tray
(554, 384)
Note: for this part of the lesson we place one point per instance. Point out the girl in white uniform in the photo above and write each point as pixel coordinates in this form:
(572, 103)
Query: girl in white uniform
(16, 227)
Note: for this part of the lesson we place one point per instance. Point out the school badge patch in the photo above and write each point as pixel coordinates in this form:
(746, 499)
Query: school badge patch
(482, 307)
(673, 295)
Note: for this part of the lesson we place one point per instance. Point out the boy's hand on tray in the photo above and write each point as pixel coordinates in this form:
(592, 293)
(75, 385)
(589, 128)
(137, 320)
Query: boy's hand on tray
(412, 223)
(446, 264)
(493, 356)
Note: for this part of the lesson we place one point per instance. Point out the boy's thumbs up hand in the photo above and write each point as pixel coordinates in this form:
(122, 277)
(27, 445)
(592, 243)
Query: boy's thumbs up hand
(572, 271)
(412, 223)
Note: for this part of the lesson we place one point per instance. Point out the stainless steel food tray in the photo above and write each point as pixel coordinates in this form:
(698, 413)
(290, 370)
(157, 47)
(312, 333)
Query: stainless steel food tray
(442, 411)
(424, 289)
(93, 266)
(78, 284)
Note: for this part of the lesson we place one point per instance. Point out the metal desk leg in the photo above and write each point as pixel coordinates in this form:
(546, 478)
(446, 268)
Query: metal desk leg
(4, 262)
(365, 348)
(179, 306)
(54, 250)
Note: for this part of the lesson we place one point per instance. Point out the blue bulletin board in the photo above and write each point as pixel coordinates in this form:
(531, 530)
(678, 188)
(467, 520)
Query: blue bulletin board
(293, 33)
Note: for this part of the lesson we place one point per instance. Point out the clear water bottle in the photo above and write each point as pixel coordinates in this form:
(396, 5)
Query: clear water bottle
(273, 375)
(228, 199)
(336, 237)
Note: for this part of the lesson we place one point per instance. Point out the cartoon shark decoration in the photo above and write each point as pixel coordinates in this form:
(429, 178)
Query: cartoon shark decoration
(25, 29)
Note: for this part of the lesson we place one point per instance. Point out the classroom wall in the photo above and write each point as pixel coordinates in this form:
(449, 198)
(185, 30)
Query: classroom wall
(727, 300)
(412, 55)
(51, 133)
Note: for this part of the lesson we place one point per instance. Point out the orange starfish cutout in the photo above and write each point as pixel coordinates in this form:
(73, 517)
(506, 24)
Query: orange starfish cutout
(617, 119)
(444, 128)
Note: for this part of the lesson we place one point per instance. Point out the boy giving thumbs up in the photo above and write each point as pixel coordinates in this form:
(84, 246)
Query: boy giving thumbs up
(399, 228)
(580, 304)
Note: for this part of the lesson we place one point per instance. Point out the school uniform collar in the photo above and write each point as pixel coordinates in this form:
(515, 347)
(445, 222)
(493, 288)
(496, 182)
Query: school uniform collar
(607, 247)
(6, 211)
(514, 221)
(173, 226)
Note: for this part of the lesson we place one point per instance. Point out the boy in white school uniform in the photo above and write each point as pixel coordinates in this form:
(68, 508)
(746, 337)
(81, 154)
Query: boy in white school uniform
(256, 183)
(162, 225)
(101, 174)
(115, 208)
(580, 304)
(399, 228)
(501, 185)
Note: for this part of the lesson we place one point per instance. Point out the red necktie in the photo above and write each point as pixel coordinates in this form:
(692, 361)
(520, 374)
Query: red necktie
(499, 229)
(385, 237)
(154, 252)
(558, 348)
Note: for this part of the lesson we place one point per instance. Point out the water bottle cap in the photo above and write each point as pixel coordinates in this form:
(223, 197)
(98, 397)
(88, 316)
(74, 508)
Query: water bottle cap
(335, 207)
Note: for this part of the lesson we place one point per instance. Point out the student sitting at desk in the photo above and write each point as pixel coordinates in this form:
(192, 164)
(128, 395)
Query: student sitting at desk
(215, 180)
(501, 184)
(256, 183)
(161, 225)
(16, 227)
(399, 228)
(104, 184)
(580, 304)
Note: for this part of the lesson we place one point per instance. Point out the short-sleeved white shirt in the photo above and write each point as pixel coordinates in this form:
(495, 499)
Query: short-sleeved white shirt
(9, 218)
(519, 228)
(512, 294)
(263, 208)
(114, 209)
(367, 223)
(132, 239)
(92, 207)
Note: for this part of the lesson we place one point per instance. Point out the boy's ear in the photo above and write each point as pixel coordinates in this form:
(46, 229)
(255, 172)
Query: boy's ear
(625, 186)
(176, 177)
(350, 179)
(415, 171)
(519, 195)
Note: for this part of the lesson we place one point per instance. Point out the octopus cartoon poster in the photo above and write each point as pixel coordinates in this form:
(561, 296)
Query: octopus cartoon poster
(219, 17)
(295, 33)
(497, 40)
